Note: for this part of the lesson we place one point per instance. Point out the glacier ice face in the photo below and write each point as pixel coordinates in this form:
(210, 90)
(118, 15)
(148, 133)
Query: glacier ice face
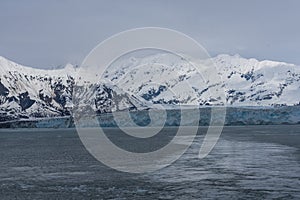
(235, 116)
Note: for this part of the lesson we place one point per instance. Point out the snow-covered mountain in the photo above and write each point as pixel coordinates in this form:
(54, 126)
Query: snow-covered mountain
(31, 93)
(237, 81)
(138, 82)
(259, 83)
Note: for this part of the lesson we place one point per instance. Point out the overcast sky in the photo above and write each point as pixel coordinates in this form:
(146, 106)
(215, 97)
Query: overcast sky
(47, 34)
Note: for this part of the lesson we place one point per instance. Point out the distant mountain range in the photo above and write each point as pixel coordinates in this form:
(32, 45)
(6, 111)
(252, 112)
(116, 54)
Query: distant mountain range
(142, 82)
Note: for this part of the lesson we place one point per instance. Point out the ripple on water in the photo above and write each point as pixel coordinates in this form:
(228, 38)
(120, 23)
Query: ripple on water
(235, 167)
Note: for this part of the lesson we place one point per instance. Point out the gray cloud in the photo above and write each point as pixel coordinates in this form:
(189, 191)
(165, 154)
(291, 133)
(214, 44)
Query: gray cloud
(44, 34)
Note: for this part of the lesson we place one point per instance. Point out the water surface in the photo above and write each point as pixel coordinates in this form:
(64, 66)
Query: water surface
(248, 162)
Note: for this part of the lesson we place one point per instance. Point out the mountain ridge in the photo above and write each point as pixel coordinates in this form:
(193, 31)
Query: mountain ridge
(27, 92)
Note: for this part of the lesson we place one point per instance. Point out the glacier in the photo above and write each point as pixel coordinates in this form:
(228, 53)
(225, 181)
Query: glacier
(235, 116)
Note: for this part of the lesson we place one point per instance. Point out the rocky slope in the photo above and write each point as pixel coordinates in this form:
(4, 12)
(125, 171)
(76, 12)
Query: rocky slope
(32, 93)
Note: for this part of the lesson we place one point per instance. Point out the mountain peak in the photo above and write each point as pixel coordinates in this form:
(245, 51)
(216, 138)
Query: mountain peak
(241, 60)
